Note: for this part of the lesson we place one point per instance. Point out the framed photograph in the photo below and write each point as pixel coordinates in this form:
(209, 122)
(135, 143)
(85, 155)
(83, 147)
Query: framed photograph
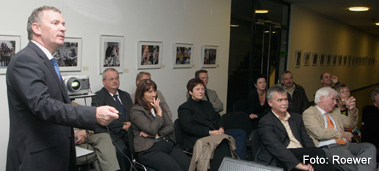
(322, 59)
(334, 60)
(344, 59)
(298, 58)
(182, 57)
(69, 56)
(349, 60)
(329, 59)
(149, 54)
(315, 59)
(111, 52)
(339, 60)
(307, 58)
(9, 46)
(209, 56)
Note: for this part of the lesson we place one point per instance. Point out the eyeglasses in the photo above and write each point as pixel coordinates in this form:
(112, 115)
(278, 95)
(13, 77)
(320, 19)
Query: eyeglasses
(112, 79)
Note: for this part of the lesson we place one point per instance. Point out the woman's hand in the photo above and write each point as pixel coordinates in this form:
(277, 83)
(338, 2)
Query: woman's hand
(253, 116)
(157, 107)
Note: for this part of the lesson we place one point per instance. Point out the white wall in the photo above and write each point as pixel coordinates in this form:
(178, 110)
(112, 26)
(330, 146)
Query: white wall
(311, 32)
(200, 22)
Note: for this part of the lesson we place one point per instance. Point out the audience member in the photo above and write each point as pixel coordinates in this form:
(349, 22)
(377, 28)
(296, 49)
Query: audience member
(104, 155)
(325, 125)
(111, 95)
(40, 114)
(343, 97)
(327, 80)
(298, 100)
(258, 105)
(370, 118)
(151, 128)
(209, 95)
(199, 119)
(146, 75)
(285, 140)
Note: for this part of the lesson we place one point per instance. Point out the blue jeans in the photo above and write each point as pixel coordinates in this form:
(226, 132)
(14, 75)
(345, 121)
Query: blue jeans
(240, 137)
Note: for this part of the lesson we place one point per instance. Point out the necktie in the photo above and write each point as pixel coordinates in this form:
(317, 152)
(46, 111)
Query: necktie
(120, 105)
(331, 126)
(56, 67)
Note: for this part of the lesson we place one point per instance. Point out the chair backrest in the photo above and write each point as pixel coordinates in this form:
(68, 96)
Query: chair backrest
(255, 143)
(237, 120)
(241, 106)
(179, 134)
(230, 164)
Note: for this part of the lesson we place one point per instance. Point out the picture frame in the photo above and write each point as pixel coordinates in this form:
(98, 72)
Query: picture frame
(298, 58)
(329, 59)
(307, 58)
(183, 56)
(344, 61)
(334, 60)
(322, 59)
(149, 54)
(209, 56)
(315, 59)
(10, 45)
(69, 55)
(339, 62)
(112, 52)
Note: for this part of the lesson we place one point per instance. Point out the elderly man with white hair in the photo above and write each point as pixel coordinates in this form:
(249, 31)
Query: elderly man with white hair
(325, 125)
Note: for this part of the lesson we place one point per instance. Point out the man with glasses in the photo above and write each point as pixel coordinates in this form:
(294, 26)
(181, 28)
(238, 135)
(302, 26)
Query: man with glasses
(111, 95)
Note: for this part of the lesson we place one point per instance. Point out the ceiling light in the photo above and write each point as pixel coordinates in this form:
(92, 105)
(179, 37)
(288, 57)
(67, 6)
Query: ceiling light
(377, 24)
(359, 8)
(261, 11)
(234, 25)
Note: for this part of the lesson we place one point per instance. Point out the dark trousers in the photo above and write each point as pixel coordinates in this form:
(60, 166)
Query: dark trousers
(220, 152)
(165, 156)
(313, 152)
(123, 153)
(240, 137)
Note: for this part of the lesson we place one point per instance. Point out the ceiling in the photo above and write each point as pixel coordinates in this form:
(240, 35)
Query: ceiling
(337, 10)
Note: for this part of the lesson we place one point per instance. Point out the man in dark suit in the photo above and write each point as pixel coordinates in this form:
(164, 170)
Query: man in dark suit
(111, 95)
(285, 140)
(41, 117)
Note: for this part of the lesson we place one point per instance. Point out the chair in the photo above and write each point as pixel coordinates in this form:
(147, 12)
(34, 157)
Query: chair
(255, 143)
(236, 120)
(241, 106)
(230, 164)
(180, 138)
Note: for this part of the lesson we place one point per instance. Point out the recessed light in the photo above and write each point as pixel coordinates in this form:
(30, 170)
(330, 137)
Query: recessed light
(377, 24)
(261, 11)
(234, 25)
(359, 8)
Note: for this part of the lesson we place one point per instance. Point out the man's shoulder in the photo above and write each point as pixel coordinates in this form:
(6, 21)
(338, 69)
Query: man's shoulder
(299, 87)
(310, 110)
(102, 91)
(122, 92)
(211, 91)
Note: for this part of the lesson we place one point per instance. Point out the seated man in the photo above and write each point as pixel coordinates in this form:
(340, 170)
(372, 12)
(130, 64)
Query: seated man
(285, 141)
(111, 95)
(327, 80)
(104, 156)
(325, 125)
(370, 118)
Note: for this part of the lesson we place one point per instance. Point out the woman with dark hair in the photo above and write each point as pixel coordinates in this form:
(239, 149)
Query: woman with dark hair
(151, 128)
(198, 119)
(258, 105)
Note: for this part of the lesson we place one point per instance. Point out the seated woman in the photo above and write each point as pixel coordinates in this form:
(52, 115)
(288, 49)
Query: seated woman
(258, 105)
(343, 96)
(151, 128)
(199, 119)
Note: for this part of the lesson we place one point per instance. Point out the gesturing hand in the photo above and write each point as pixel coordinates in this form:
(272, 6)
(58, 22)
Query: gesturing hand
(105, 115)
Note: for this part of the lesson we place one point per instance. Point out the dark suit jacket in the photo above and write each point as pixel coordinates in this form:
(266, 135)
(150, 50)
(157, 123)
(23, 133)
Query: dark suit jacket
(143, 120)
(197, 118)
(115, 127)
(275, 139)
(370, 118)
(299, 102)
(41, 116)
